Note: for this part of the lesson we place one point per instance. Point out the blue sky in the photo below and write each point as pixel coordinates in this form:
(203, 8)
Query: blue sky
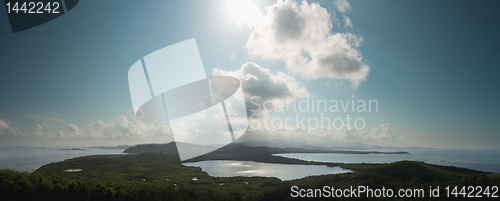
(433, 68)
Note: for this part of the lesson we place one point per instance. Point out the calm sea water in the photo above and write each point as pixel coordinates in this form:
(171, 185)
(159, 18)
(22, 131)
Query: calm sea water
(29, 159)
(227, 168)
(483, 160)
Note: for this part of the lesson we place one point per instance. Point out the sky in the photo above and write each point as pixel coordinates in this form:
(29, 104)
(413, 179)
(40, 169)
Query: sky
(431, 66)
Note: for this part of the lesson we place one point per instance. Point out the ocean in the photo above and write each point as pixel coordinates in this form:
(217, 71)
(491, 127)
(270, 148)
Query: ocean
(230, 168)
(28, 159)
(482, 160)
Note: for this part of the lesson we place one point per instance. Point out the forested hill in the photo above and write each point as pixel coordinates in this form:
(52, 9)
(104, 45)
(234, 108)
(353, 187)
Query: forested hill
(241, 149)
(152, 148)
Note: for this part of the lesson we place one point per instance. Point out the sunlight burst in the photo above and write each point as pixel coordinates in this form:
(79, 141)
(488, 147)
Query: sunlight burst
(244, 11)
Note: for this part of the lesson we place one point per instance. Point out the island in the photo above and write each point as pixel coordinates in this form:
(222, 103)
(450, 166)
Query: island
(155, 172)
(73, 149)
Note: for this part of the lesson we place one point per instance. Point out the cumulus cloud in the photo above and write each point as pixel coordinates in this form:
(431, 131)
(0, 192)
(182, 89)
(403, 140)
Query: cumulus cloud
(121, 128)
(74, 131)
(387, 134)
(3, 125)
(205, 127)
(264, 85)
(342, 6)
(301, 36)
(347, 21)
(38, 131)
(7, 130)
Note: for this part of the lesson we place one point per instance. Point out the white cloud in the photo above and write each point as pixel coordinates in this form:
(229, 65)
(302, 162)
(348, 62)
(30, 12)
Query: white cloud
(38, 131)
(342, 6)
(387, 134)
(7, 130)
(3, 125)
(74, 131)
(347, 21)
(301, 36)
(261, 82)
(121, 128)
(205, 127)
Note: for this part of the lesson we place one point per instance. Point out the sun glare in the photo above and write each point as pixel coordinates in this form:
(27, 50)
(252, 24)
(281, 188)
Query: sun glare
(244, 11)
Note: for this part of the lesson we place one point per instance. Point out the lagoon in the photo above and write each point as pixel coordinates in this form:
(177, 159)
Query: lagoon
(229, 168)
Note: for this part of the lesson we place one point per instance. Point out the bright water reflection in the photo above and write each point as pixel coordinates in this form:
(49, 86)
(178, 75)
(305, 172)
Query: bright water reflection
(228, 168)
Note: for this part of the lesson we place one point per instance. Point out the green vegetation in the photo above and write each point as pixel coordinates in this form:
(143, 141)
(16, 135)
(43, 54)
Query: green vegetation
(151, 168)
(161, 176)
(399, 175)
(33, 186)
